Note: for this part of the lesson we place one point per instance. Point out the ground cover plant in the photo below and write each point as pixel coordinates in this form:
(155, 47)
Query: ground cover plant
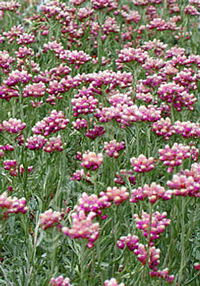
(99, 142)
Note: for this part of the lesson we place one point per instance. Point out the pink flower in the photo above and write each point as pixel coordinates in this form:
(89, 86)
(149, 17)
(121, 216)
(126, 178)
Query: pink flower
(83, 227)
(112, 282)
(117, 195)
(13, 125)
(60, 281)
(13, 205)
(152, 226)
(55, 122)
(50, 218)
(54, 144)
(91, 160)
(153, 192)
(113, 147)
(142, 164)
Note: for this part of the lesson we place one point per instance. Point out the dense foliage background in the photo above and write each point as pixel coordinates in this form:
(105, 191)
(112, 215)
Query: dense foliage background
(99, 134)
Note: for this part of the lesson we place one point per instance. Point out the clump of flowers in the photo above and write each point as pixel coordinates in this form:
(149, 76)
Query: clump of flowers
(116, 195)
(96, 131)
(174, 156)
(12, 166)
(84, 102)
(91, 160)
(60, 281)
(16, 77)
(146, 254)
(54, 144)
(113, 147)
(5, 61)
(83, 227)
(186, 183)
(187, 129)
(8, 93)
(152, 226)
(131, 241)
(77, 58)
(163, 127)
(50, 218)
(55, 122)
(81, 174)
(153, 192)
(35, 142)
(112, 282)
(13, 125)
(34, 90)
(80, 123)
(13, 205)
(5, 148)
(142, 164)
(92, 204)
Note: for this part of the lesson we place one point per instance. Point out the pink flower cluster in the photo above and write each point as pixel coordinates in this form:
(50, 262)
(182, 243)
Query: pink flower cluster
(131, 16)
(34, 90)
(9, 6)
(80, 174)
(83, 227)
(77, 58)
(4, 148)
(16, 77)
(5, 61)
(144, 254)
(35, 142)
(95, 132)
(152, 226)
(24, 52)
(177, 94)
(55, 122)
(91, 160)
(80, 123)
(26, 39)
(11, 165)
(12, 125)
(164, 127)
(101, 4)
(84, 102)
(191, 10)
(116, 195)
(112, 282)
(126, 115)
(142, 164)
(186, 183)
(174, 156)
(113, 147)
(92, 204)
(131, 241)
(8, 93)
(60, 281)
(197, 266)
(54, 144)
(50, 218)
(13, 205)
(153, 192)
(110, 26)
(163, 274)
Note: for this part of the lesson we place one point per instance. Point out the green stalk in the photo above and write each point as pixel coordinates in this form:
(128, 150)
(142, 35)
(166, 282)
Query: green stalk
(183, 231)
